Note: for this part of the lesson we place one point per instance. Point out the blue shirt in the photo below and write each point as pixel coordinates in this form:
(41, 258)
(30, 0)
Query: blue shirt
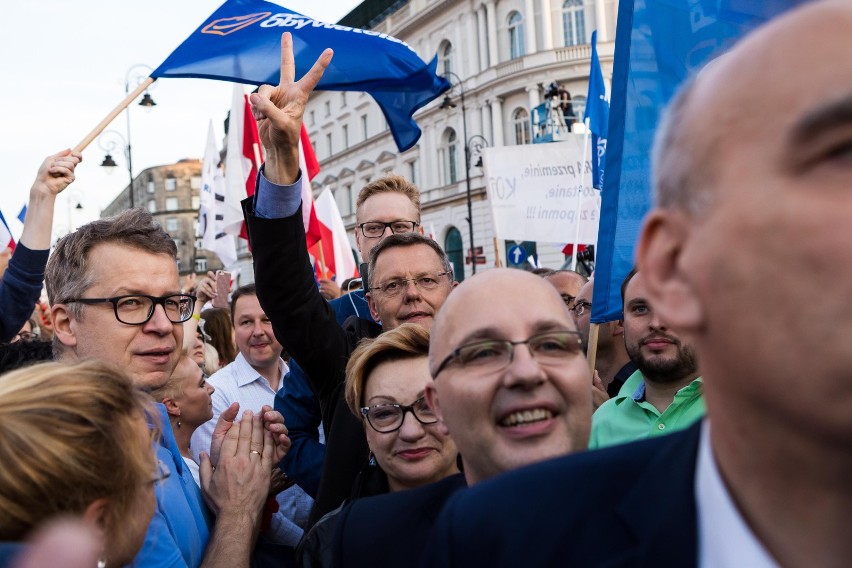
(180, 529)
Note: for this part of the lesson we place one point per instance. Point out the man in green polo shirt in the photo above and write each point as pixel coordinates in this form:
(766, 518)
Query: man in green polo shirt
(665, 394)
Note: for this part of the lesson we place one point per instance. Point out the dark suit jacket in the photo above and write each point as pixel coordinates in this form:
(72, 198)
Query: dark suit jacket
(392, 529)
(307, 327)
(630, 505)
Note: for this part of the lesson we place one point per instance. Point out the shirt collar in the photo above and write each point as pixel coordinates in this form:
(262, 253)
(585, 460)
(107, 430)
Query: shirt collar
(245, 374)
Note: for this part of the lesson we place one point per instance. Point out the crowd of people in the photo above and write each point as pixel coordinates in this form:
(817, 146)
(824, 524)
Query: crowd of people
(416, 420)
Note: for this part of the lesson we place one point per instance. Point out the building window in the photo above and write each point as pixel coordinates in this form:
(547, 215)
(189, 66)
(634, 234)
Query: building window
(446, 51)
(448, 155)
(343, 98)
(521, 122)
(171, 184)
(328, 143)
(412, 171)
(573, 22)
(151, 185)
(351, 197)
(516, 35)
(171, 203)
(328, 108)
(195, 182)
(455, 251)
(152, 206)
(364, 126)
(201, 264)
(345, 136)
(312, 119)
(196, 202)
(172, 224)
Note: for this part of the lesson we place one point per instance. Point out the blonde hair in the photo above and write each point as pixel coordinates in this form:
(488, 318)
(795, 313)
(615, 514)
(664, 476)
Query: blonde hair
(390, 183)
(408, 341)
(70, 436)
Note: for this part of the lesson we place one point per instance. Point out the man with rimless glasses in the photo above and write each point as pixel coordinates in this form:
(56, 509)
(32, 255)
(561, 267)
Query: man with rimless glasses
(511, 387)
(115, 296)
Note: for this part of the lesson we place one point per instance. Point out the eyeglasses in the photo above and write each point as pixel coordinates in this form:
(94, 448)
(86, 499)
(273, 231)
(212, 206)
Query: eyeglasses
(569, 300)
(137, 309)
(394, 288)
(386, 418)
(375, 229)
(492, 355)
(161, 473)
(580, 307)
(24, 336)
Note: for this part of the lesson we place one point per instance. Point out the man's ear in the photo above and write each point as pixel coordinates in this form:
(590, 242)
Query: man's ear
(616, 327)
(171, 406)
(660, 257)
(431, 394)
(374, 311)
(63, 325)
(358, 236)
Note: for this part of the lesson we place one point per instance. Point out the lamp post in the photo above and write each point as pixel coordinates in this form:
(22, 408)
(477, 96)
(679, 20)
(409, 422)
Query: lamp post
(133, 78)
(447, 104)
(476, 143)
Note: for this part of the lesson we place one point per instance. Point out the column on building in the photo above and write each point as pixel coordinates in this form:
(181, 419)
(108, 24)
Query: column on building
(487, 131)
(497, 121)
(546, 25)
(600, 20)
(529, 28)
(470, 64)
(482, 38)
(491, 20)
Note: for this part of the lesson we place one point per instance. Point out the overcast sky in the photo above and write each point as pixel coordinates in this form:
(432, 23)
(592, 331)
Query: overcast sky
(64, 67)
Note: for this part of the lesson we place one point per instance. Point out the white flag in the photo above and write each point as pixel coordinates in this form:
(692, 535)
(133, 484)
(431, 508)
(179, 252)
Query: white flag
(210, 227)
(237, 167)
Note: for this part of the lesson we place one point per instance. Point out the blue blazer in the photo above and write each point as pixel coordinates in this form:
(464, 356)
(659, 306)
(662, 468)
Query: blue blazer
(629, 505)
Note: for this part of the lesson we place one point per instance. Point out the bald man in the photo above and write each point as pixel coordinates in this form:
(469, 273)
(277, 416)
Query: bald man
(512, 388)
(751, 176)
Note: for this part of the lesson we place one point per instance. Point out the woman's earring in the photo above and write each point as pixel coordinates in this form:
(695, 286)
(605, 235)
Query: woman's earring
(372, 459)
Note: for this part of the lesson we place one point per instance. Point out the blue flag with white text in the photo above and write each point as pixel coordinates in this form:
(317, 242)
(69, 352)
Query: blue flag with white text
(597, 115)
(659, 43)
(241, 42)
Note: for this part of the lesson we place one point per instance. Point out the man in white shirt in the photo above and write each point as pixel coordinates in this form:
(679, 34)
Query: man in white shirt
(746, 255)
(252, 380)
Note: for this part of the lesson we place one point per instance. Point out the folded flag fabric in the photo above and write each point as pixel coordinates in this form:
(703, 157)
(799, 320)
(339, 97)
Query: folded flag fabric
(6, 240)
(241, 40)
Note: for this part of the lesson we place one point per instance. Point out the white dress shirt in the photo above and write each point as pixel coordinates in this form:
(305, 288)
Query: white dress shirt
(240, 382)
(724, 538)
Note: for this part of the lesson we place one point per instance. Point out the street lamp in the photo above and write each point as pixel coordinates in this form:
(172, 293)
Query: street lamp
(134, 78)
(447, 103)
(476, 143)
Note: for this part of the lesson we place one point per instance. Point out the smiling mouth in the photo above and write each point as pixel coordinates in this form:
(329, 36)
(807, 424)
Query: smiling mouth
(524, 417)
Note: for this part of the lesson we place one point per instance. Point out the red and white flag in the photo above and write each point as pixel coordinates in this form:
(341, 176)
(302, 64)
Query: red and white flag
(6, 239)
(333, 254)
(242, 162)
(310, 168)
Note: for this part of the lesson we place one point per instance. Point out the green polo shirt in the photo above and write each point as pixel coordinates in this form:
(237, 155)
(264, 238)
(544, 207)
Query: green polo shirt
(629, 417)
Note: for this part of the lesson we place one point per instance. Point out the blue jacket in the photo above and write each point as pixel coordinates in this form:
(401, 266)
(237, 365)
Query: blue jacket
(20, 289)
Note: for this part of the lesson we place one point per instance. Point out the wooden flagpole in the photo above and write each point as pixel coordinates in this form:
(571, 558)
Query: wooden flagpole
(592, 350)
(115, 112)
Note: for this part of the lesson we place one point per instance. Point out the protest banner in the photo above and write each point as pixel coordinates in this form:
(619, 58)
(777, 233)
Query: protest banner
(533, 191)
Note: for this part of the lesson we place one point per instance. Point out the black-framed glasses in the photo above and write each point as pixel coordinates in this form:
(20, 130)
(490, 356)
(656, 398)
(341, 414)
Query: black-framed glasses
(393, 288)
(137, 309)
(375, 229)
(492, 355)
(389, 417)
(568, 299)
(580, 307)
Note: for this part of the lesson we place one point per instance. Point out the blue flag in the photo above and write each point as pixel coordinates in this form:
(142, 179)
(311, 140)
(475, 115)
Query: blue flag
(659, 44)
(241, 42)
(23, 214)
(597, 115)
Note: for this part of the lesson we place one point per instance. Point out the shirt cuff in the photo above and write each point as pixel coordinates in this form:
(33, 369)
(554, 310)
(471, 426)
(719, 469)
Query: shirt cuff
(274, 201)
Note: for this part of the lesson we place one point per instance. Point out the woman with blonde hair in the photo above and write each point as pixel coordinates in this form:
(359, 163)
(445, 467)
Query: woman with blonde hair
(75, 441)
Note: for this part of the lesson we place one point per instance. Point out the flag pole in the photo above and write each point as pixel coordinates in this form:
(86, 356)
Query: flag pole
(579, 201)
(322, 261)
(592, 349)
(498, 263)
(140, 88)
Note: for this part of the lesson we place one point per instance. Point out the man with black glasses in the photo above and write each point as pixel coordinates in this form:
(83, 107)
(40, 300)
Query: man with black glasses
(115, 295)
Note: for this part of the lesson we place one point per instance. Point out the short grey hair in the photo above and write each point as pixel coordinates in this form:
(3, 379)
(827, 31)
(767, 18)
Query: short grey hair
(680, 179)
(407, 240)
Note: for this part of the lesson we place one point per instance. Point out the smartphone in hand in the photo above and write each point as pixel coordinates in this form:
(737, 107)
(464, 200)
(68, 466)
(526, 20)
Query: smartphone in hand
(223, 289)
